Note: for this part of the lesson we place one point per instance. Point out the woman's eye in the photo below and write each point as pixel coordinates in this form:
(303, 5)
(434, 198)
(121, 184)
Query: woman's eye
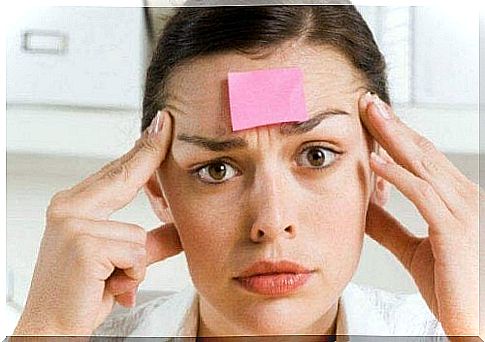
(216, 172)
(317, 157)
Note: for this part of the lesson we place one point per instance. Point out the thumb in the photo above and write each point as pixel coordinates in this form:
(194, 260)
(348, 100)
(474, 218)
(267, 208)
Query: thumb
(162, 242)
(391, 234)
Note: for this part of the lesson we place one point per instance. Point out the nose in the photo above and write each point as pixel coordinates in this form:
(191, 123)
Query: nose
(274, 208)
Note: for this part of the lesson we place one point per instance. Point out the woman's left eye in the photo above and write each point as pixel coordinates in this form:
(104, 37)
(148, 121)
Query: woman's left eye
(316, 157)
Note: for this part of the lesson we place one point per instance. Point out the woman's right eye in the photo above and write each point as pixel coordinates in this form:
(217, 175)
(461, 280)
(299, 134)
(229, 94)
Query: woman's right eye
(217, 172)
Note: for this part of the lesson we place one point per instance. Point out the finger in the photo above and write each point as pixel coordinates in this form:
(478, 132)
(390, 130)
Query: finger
(383, 153)
(106, 229)
(117, 184)
(405, 146)
(157, 124)
(105, 309)
(420, 192)
(99, 257)
(388, 231)
(162, 243)
(457, 196)
(127, 299)
(131, 259)
(119, 283)
(416, 153)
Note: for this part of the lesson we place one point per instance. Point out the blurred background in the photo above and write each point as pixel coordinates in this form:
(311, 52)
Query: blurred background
(74, 90)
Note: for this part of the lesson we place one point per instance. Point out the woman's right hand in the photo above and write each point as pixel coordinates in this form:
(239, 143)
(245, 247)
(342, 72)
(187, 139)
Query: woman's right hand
(86, 262)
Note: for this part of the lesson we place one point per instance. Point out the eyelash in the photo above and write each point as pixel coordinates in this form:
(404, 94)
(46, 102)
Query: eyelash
(195, 172)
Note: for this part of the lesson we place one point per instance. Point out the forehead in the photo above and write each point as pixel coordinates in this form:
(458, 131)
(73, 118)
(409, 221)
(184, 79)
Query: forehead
(197, 94)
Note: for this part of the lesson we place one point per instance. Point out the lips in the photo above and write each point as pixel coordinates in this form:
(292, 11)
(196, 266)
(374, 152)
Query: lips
(267, 267)
(274, 278)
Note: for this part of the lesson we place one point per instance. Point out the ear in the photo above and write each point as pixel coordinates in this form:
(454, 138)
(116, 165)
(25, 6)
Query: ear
(382, 188)
(158, 201)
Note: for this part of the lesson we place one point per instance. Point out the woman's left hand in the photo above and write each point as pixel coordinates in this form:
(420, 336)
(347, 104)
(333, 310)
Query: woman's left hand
(444, 265)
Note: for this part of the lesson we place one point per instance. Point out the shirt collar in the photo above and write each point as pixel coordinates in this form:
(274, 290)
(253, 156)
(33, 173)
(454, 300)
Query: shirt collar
(357, 315)
(179, 316)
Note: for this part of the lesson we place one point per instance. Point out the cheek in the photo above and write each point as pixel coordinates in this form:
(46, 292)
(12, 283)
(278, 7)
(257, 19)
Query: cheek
(205, 227)
(339, 205)
(329, 213)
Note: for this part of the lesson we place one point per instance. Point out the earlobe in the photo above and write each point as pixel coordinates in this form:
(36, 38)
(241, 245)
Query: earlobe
(157, 199)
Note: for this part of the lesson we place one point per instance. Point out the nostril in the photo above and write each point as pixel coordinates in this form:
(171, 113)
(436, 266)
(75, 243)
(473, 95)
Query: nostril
(290, 230)
(260, 233)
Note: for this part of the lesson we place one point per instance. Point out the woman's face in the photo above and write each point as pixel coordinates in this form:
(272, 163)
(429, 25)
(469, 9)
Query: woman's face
(273, 193)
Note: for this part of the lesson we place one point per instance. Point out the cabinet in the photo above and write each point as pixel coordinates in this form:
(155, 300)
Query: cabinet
(75, 77)
(77, 56)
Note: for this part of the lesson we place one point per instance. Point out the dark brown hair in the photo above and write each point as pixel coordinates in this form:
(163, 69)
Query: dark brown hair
(200, 31)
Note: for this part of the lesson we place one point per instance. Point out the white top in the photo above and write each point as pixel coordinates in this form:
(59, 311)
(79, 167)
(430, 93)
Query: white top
(362, 310)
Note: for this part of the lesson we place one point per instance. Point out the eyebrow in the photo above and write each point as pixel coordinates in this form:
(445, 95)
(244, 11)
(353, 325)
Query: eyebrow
(293, 128)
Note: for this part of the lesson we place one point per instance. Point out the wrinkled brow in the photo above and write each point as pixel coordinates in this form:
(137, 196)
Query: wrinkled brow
(293, 128)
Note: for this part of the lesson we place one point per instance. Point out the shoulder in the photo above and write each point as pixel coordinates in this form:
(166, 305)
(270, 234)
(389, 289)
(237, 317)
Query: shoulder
(403, 314)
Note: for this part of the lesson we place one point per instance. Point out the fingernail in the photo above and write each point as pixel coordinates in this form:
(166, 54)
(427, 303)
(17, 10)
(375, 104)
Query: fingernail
(381, 109)
(369, 97)
(377, 158)
(156, 124)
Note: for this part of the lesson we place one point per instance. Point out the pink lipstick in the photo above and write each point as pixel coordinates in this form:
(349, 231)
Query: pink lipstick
(274, 278)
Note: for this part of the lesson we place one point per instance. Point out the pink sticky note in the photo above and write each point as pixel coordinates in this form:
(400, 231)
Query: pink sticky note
(265, 97)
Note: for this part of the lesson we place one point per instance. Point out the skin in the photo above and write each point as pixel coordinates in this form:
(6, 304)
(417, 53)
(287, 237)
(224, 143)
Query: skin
(444, 265)
(87, 262)
(273, 208)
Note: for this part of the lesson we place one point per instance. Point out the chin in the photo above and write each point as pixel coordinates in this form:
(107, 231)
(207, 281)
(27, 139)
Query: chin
(287, 325)
(285, 316)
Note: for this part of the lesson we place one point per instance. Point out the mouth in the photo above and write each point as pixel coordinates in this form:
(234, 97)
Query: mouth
(274, 279)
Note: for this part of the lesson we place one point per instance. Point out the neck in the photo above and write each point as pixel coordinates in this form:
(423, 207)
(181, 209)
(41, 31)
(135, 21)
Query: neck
(213, 323)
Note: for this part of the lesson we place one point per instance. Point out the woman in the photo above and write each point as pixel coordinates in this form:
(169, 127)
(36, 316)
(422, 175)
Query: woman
(271, 218)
